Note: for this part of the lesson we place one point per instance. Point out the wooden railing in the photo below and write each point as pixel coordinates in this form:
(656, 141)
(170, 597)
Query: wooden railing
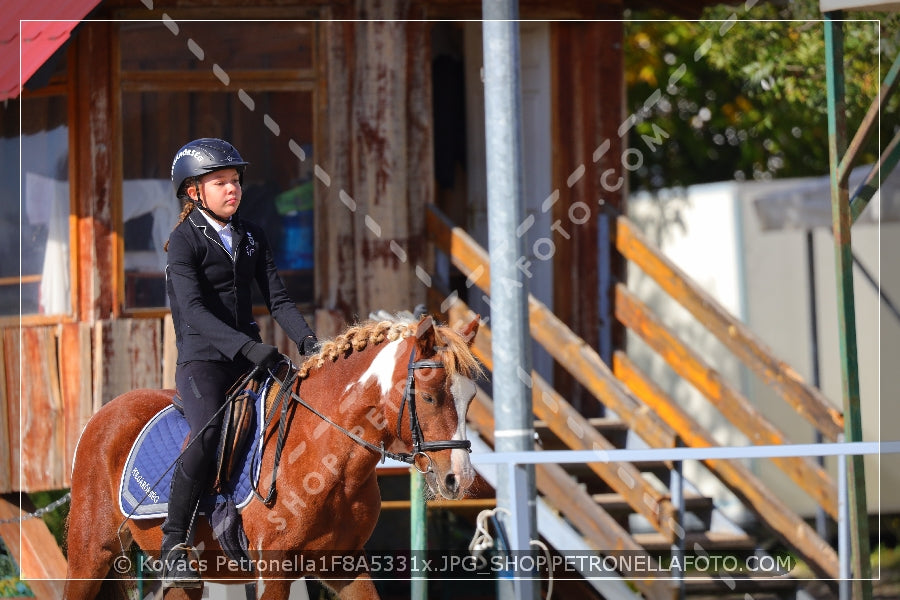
(805, 399)
(575, 430)
(640, 398)
(808, 475)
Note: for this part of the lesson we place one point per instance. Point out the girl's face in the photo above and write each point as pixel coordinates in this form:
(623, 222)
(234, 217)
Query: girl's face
(220, 192)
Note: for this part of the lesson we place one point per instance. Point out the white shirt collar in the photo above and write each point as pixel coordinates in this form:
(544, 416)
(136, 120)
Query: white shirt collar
(216, 225)
(224, 231)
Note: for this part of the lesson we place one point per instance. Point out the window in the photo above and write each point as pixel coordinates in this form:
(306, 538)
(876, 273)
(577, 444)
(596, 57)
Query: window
(259, 97)
(35, 206)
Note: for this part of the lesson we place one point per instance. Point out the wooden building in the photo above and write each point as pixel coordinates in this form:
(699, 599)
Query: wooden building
(351, 127)
(357, 118)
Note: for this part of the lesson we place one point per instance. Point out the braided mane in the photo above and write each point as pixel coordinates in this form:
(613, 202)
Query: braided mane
(454, 349)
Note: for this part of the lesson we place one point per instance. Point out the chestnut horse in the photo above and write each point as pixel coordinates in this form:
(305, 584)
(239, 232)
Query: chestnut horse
(379, 386)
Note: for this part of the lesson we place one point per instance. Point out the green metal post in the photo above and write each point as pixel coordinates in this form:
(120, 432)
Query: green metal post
(140, 574)
(418, 537)
(841, 222)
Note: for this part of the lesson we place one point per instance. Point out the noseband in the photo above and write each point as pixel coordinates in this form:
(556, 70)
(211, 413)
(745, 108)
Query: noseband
(419, 446)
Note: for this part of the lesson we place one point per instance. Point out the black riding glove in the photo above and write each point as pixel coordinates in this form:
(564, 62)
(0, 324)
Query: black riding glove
(308, 345)
(262, 355)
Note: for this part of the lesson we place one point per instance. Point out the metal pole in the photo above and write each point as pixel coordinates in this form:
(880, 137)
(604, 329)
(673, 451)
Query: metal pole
(513, 416)
(843, 531)
(520, 527)
(676, 487)
(841, 222)
(418, 535)
(821, 515)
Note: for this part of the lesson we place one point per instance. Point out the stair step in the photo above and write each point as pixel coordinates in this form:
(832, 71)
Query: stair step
(594, 485)
(739, 585)
(698, 509)
(708, 540)
(615, 503)
(660, 467)
(615, 430)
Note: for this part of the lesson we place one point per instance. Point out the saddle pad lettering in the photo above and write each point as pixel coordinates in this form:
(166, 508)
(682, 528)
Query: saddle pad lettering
(147, 477)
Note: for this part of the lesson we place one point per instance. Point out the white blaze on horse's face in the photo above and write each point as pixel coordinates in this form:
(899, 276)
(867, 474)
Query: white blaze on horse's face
(382, 368)
(463, 390)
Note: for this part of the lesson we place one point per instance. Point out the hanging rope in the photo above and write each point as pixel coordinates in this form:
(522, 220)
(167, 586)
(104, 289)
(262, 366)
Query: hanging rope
(482, 540)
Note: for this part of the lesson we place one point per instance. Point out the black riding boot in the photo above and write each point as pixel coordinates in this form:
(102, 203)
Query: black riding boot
(176, 553)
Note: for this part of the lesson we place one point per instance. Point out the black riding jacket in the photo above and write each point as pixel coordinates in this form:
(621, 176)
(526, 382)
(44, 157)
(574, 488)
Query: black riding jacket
(209, 291)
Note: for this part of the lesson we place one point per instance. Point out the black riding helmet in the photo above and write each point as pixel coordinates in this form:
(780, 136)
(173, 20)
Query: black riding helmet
(199, 157)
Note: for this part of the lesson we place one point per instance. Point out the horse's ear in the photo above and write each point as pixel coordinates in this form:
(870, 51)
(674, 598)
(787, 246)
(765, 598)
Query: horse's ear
(471, 329)
(425, 336)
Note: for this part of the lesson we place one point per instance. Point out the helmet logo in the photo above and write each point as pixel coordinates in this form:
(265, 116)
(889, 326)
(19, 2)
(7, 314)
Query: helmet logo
(186, 152)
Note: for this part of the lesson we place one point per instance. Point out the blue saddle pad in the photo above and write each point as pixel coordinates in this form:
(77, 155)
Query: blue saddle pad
(146, 479)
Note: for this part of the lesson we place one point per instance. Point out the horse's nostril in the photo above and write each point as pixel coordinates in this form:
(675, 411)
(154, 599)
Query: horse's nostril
(451, 483)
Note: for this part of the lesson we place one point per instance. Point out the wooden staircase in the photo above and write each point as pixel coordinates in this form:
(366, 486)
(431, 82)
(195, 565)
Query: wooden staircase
(623, 506)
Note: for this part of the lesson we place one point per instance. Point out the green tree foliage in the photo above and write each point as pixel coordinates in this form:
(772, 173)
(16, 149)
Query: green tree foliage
(740, 94)
(55, 519)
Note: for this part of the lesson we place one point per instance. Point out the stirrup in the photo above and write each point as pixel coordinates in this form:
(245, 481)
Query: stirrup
(177, 570)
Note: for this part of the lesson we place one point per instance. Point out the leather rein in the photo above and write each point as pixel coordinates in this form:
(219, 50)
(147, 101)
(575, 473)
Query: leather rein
(419, 446)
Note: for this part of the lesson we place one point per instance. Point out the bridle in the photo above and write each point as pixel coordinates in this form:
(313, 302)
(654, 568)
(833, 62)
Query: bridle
(419, 446)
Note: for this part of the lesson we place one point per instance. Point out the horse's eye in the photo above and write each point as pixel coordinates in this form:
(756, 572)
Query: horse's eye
(428, 398)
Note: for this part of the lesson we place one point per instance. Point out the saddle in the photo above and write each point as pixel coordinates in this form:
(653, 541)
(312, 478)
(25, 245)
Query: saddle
(147, 474)
(237, 425)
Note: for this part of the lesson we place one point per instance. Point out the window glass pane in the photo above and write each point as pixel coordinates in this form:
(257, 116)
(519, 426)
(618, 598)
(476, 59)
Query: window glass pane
(34, 207)
(277, 192)
(233, 45)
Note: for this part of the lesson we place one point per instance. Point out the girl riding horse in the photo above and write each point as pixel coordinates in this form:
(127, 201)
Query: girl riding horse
(214, 257)
(375, 387)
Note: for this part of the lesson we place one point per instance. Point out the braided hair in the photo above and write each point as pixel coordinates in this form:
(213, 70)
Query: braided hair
(185, 211)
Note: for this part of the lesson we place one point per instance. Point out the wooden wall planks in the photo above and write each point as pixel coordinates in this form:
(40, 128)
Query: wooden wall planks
(67, 372)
